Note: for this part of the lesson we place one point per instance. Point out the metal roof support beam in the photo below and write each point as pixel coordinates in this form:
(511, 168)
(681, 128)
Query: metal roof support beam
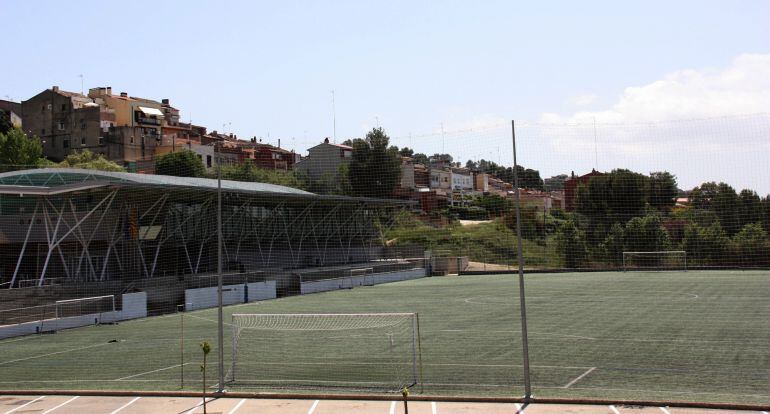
(24, 246)
(51, 244)
(113, 241)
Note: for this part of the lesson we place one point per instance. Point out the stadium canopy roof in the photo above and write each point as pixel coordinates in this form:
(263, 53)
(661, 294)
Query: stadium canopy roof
(53, 181)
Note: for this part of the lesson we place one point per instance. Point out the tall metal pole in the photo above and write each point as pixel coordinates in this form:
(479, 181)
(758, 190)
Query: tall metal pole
(220, 320)
(520, 253)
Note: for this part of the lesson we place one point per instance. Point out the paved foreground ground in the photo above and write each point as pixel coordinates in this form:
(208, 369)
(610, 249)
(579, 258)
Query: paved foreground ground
(40, 404)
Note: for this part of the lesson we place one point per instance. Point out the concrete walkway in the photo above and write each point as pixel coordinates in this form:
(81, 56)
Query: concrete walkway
(58, 404)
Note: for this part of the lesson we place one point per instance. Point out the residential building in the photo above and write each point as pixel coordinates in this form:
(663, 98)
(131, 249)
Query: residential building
(136, 130)
(67, 122)
(324, 159)
(269, 157)
(441, 179)
(481, 182)
(571, 186)
(462, 179)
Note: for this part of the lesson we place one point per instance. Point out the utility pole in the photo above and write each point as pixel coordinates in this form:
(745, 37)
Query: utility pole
(522, 304)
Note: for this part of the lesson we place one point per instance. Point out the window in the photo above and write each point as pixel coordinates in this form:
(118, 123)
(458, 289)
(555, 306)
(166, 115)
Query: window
(66, 143)
(42, 108)
(60, 125)
(82, 141)
(132, 139)
(82, 124)
(208, 161)
(101, 140)
(42, 131)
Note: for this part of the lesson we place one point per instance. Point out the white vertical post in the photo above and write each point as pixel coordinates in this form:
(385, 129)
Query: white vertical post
(220, 322)
(520, 254)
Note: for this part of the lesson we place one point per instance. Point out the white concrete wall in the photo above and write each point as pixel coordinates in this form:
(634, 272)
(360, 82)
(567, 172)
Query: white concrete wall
(362, 280)
(262, 291)
(134, 306)
(231, 294)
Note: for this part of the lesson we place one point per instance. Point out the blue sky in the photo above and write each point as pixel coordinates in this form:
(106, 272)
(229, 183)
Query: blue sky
(270, 67)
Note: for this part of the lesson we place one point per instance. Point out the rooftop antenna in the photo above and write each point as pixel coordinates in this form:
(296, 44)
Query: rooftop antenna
(334, 119)
(81, 83)
(442, 139)
(596, 146)
(377, 120)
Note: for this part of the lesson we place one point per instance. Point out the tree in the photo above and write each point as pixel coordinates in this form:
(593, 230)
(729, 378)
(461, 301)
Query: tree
(705, 245)
(662, 190)
(421, 158)
(571, 244)
(5, 122)
(555, 183)
(375, 169)
(749, 208)
(16, 149)
(614, 244)
(406, 152)
(616, 197)
(90, 161)
(184, 163)
(751, 246)
(646, 234)
(206, 349)
(247, 171)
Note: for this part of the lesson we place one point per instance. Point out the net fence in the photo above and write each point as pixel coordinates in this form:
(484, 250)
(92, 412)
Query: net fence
(645, 261)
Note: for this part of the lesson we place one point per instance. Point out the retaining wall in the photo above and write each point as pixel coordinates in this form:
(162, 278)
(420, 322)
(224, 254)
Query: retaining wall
(134, 306)
(203, 298)
(349, 282)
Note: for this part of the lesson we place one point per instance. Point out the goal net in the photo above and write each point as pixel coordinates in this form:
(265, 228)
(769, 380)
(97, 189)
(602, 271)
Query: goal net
(369, 351)
(660, 260)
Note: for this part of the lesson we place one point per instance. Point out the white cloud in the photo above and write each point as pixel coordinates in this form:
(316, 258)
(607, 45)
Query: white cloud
(741, 88)
(702, 125)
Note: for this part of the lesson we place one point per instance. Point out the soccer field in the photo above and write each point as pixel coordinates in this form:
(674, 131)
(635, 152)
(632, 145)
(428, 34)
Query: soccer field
(694, 336)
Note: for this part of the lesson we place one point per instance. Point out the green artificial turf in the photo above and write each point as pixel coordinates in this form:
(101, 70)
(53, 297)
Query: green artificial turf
(693, 336)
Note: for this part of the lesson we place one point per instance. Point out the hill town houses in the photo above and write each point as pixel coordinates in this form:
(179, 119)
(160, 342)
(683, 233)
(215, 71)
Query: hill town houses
(134, 131)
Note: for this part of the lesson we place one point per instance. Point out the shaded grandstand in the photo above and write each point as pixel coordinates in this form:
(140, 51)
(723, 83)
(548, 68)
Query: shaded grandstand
(73, 232)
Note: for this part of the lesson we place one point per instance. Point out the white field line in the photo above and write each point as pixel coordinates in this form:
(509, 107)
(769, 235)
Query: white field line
(192, 410)
(428, 365)
(24, 405)
(312, 407)
(433, 409)
(150, 372)
(61, 405)
(614, 410)
(237, 406)
(519, 410)
(392, 407)
(665, 411)
(579, 377)
(119, 409)
(52, 353)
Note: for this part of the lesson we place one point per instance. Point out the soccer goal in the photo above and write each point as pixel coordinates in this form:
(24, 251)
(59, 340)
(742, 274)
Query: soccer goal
(361, 351)
(84, 306)
(658, 260)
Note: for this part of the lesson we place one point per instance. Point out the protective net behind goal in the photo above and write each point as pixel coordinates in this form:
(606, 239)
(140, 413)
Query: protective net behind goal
(325, 351)
(655, 260)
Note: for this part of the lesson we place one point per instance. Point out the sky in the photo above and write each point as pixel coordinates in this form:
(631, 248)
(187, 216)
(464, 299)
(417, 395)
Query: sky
(647, 85)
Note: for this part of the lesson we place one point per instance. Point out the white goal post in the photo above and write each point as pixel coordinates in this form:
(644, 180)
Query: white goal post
(361, 351)
(655, 260)
(84, 306)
